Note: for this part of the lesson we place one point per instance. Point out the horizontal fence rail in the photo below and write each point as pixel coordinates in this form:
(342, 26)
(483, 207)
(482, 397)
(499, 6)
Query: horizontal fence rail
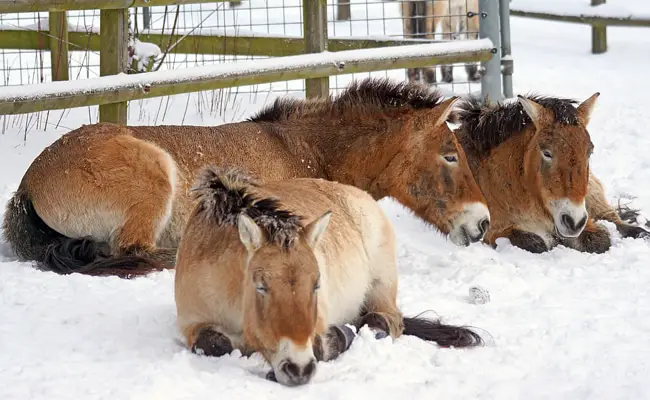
(589, 17)
(123, 87)
(215, 42)
(19, 6)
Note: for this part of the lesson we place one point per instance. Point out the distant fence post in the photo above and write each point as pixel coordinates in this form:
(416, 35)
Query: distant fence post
(343, 10)
(315, 33)
(113, 58)
(489, 28)
(598, 34)
(58, 23)
(507, 63)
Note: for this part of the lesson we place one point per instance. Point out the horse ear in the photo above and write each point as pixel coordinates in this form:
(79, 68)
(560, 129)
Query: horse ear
(585, 108)
(315, 230)
(249, 233)
(531, 108)
(447, 107)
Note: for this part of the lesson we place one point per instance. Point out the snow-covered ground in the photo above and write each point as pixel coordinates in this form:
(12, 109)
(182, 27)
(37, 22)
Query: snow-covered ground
(561, 325)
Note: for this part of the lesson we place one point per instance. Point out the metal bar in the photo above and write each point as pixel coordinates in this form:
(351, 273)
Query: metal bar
(146, 18)
(489, 28)
(507, 64)
(115, 89)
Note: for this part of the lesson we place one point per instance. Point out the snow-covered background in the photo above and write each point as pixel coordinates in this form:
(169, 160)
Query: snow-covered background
(561, 325)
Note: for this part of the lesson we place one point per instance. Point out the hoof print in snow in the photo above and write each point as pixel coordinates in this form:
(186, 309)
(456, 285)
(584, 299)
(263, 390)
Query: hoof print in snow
(478, 295)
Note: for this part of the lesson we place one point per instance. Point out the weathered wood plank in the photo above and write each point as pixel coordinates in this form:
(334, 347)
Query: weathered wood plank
(113, 58)
(630, 21)
(202, 44)
(18, 6)
(343, 12)
(58, 23)
(598, 34)
(315, 33)
(105, 90)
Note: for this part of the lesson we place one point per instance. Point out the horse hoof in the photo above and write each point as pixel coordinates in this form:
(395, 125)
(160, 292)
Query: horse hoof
(379, 334)
(346, 335)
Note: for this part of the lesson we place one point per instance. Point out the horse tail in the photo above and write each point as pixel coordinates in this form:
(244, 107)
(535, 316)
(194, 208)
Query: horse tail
(33, 240)
(443, 335)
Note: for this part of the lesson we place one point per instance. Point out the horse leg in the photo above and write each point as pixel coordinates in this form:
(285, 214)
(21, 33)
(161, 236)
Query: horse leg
(205, 339)
(599, 209)
(447, 70)
(593, 239)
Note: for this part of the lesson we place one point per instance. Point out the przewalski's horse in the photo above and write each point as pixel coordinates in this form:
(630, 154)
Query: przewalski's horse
(420, 20)
(531, 160)
(280, 267)
(105, 190)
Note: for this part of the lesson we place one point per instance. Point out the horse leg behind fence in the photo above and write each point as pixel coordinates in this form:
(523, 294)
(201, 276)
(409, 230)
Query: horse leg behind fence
(418, 22)
(455, 24)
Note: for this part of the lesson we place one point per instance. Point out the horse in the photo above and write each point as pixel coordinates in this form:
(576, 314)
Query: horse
(106, 199)
(459, 19)
(531, 160)
(279, 268)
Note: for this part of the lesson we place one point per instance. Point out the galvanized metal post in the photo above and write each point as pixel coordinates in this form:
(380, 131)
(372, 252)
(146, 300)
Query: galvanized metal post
(507, 66)
(491, 81)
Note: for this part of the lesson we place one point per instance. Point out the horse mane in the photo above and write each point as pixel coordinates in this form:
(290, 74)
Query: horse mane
(224, 193)
(486, 127)
(377, 93)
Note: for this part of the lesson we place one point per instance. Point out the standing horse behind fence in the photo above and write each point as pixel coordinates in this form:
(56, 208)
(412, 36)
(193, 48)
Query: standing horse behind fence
(105, 190)
(531, 160)
(459, 20)
(280, 267)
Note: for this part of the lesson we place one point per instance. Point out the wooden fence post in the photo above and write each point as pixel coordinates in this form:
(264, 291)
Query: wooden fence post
(598, 34)
(343, 10)
(58, 23)
(315, 33)
(113, 57)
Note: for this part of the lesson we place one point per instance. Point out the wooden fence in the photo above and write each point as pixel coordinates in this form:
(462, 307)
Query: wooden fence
(112, 93)
(597, 16)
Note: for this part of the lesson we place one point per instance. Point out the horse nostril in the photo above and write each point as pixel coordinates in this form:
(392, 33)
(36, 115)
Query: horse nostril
(291, 369)
(568, 221)
(582, 223)
(309, 369)
(484, 225)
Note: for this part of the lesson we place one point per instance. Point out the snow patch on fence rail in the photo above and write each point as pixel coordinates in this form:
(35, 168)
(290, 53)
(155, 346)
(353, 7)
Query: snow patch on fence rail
(631, 9)
(234, 70)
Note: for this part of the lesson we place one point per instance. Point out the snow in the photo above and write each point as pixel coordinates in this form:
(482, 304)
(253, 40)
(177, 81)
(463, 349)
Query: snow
(562, 325)
(232, 70)
(145, 53)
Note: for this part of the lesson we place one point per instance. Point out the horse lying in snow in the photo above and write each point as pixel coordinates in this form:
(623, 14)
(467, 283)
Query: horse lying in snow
(279, 268)
(102, 196)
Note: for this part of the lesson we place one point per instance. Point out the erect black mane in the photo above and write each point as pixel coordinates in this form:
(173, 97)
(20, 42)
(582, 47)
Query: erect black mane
(382, 93)
(486, 127)
(224, 193)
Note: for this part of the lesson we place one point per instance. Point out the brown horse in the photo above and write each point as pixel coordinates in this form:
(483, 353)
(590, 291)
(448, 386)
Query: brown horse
(280, 267)
(531, 160)
(104, 190)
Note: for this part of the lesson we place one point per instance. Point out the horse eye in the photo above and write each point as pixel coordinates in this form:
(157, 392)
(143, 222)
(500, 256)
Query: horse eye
(260, 288)
(317, 285)
(451, 158)
(547, 154)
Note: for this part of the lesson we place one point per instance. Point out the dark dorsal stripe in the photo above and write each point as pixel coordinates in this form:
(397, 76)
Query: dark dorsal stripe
(381, 93)
(224, 193)
(486, 127)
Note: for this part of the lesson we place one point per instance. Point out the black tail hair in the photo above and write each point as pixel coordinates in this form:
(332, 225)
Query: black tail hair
(33, 240)
(443, 335)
